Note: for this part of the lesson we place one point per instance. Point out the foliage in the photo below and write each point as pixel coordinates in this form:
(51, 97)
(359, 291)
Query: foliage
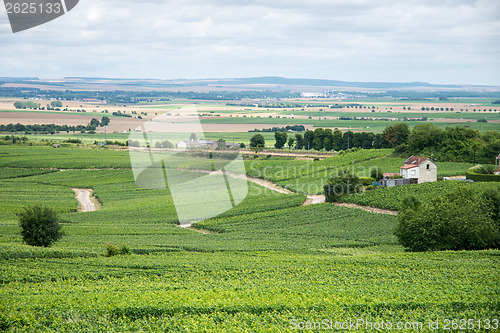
(257, 141)
(340, 186)
(482, 174)
(391, 198)
(264, 263)
(458, 144)
(459, 220)
(376, 173)
(39, 226)
(483, 169)
(280, 138)
(113, 250)
(105, 121)
(396, 135)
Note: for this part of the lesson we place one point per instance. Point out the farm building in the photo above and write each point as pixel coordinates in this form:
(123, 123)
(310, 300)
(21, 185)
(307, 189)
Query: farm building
(419, 170)
(200, 144)
(205, 144)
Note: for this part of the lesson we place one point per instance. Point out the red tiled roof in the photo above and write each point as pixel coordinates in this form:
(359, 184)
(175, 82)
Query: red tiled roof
(415, 160)
(409, 166)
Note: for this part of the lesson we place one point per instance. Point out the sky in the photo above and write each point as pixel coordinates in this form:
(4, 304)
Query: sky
(435, 41)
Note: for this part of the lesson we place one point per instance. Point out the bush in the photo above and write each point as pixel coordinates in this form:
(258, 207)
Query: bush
(484, 169)
(460, 220)
(366, 181)
(340, 186)
(39, 226)
(113, 250)
(482, 173)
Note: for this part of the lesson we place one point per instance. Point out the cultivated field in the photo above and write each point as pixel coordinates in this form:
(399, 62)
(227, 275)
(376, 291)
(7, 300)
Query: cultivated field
(267, 265)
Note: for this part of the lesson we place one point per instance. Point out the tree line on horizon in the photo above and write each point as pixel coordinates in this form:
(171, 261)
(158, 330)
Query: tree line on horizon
(453, 144)
(53, 128)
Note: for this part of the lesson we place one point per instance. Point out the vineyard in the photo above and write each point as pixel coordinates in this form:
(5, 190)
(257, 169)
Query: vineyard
(262, 264)
(309, 177)
(391, 198)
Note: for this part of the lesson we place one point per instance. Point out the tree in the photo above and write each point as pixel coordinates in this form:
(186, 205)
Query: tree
(308, 139)
(460, 220)
(319, 135)
(94, 123)
(340, 186)
(424, 136)
(337, 140)
(165, 144)
(376, 173)
(193, 137)
(56, 104)
(291, 142)
(257, 141)
(347, 140)
(299, 141)
(396, 134)
(39, 226)
(280, 138)
(242, 145)
(105, 121)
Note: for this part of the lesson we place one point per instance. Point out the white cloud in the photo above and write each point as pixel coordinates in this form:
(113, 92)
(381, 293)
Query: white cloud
(439, 41)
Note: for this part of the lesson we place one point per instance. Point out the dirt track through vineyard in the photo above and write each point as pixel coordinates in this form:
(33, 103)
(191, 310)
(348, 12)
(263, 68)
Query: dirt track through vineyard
(85, 200)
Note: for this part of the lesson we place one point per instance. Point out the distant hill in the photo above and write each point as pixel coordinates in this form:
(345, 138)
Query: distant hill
(271, 83)
(275, 80)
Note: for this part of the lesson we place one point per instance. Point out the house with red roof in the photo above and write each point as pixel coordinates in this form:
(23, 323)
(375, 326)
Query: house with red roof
(419, 170)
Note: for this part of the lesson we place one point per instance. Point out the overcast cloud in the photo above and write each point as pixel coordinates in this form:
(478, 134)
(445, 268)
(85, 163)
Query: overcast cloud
(439, 41)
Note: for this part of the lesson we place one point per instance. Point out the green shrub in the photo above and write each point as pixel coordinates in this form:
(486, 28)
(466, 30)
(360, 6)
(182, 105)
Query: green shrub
(366, 181)
(39, 226)
(484, 169)
(340, 186)
(113, 250)
(482, 173)
(376, 173)
(460, 220)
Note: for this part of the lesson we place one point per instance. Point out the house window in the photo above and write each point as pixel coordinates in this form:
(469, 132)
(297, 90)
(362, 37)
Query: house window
(428, 166)
(413, 172)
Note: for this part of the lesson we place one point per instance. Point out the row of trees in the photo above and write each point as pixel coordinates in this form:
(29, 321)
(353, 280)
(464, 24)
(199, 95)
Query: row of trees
(326, 139)
(34, 105)
(53, 128)
(454, 144)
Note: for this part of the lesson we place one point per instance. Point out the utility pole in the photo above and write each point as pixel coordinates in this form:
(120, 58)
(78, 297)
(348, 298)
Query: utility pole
(105, 135)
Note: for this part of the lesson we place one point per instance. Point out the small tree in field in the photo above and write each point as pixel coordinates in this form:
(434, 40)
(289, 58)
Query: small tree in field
(39, 226)
(339, 186)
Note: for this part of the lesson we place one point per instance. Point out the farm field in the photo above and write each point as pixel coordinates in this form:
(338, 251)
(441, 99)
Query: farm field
(263, 266)
(234, 122)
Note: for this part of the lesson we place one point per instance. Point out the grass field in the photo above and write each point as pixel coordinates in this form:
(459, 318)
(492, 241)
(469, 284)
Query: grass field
(265, 266)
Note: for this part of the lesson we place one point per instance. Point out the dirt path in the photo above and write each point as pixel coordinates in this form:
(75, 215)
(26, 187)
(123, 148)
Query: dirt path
(368, 209)
(314, 199)
(188, 227)
(85, 200)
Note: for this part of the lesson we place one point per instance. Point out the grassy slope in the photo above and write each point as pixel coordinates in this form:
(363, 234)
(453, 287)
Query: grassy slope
(265, 267)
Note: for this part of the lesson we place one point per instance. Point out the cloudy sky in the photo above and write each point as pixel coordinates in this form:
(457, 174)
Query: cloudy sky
(436, 41)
